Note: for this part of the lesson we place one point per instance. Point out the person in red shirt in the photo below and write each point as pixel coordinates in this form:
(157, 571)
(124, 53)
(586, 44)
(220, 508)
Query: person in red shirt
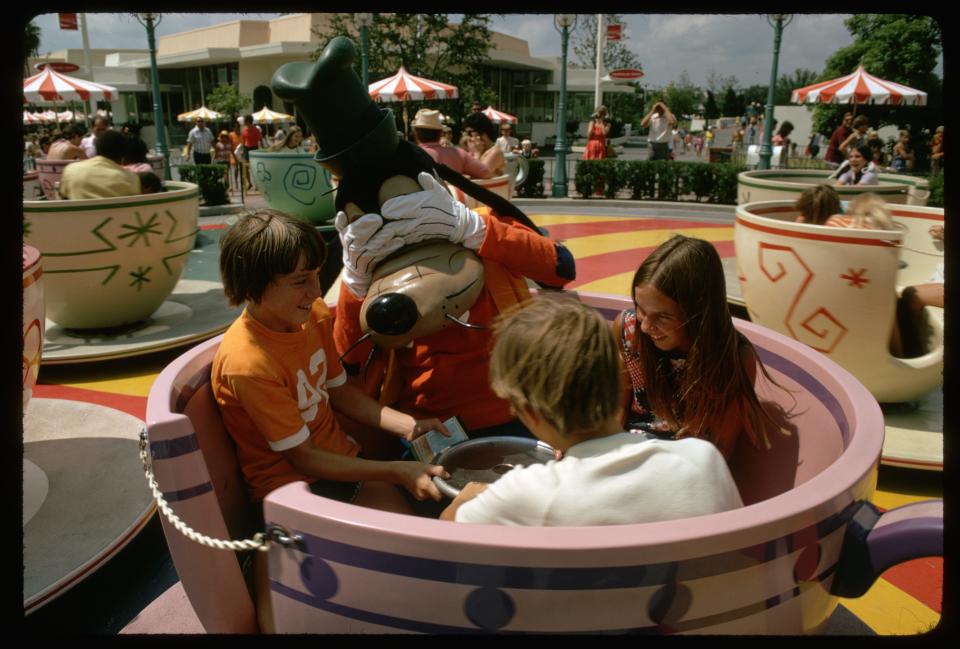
(251, 140)
(839, 136)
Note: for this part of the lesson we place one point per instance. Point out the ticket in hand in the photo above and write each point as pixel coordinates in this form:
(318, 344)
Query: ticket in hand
(426, 447)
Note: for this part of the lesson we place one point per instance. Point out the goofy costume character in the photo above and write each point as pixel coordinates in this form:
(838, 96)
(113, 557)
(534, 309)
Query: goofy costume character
(424, 277)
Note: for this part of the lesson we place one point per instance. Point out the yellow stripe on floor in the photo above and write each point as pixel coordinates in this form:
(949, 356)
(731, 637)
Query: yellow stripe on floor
(546, 220)
(598, 244)
(614, 285)
(889, 500)
(131, 386)
(889, 611)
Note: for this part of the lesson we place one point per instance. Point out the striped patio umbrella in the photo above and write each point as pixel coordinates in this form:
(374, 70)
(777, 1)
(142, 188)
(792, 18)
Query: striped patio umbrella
(497, 117)
(861, 87)
(69, 116)
(203, 112)
(404, 86)
(49, 116)
(50, 85)
(267, 116)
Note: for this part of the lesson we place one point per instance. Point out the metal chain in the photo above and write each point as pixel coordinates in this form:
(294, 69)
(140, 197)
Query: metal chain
(261, 540)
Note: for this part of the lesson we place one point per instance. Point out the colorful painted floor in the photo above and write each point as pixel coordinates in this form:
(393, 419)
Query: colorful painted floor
(608, 248)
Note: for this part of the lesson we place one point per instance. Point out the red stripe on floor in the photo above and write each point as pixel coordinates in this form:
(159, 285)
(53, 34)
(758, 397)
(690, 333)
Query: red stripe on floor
(922, 579)
(587, 228)
(595, 267)
(136, 406)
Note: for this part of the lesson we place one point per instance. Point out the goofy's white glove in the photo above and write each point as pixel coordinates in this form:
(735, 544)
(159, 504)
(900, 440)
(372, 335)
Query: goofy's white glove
(432, 214)
(364, 244)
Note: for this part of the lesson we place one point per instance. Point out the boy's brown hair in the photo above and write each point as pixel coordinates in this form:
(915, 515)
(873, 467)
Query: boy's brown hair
(558, 357)
(819, 203)
(261, 246)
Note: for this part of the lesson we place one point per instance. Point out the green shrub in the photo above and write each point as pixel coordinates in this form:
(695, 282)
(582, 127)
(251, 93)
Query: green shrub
(936, 191)
(213, 191)
(660, 180)
(532, 187)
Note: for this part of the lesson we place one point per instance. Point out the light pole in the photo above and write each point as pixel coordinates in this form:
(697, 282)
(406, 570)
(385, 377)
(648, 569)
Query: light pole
(562, 23)
(364, 21)
(778, 22)
(150, 21)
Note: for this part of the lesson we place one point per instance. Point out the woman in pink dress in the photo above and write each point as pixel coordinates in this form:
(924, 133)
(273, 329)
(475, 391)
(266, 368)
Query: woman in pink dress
(597, 136)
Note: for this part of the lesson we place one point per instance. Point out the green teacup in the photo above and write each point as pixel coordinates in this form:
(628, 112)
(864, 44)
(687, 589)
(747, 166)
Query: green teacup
(294, 184)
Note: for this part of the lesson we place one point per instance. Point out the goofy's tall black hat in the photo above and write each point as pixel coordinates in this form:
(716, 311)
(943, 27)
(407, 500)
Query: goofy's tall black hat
(358, 140)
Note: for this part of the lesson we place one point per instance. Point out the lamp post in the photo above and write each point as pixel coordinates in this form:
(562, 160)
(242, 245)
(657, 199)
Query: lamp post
(150, 21)
(562, 23)
(364, 21)
(778, 22)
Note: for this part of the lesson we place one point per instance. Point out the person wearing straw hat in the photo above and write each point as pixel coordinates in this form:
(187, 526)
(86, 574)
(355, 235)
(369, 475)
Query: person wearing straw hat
(391, 203)
(427, 131)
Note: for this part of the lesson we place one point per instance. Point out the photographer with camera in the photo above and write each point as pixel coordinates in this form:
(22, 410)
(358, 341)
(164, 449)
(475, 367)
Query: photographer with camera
(661, 121)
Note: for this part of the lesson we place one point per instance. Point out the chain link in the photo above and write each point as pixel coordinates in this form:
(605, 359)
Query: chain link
(261, 540)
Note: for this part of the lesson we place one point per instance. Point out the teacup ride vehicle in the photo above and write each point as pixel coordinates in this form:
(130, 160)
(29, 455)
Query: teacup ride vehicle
(295, 184)
(787, 184)
(503, 185)
(835, 290)
(806, 536)
(114, 288)
(113, 271)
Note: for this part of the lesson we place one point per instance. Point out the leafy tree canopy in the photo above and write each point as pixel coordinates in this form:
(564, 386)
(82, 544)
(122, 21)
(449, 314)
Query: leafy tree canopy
(227, 99)
(896, 47)
(427, 45)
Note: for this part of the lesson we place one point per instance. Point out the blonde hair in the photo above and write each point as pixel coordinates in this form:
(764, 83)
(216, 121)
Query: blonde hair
(558, 357)
(870, 211)
(817, 204)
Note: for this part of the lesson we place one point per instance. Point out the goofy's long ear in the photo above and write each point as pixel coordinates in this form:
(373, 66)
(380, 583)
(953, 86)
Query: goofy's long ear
(500, 205)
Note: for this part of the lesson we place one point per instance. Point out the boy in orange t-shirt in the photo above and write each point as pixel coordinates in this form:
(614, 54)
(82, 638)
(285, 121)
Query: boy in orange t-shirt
(277, 378)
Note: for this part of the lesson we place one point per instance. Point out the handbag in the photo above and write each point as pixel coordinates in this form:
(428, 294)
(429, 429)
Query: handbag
(611, 152)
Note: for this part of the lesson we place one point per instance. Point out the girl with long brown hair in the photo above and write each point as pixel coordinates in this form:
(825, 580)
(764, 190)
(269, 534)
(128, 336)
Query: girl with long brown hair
(689, 367)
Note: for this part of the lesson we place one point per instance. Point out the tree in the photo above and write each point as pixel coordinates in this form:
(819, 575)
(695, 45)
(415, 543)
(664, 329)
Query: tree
(616, 55)
(896, 47)
(427, 45)
(733, 105)
(227, 100)
(787, 83)
(710, 108)
(681, 96)
(31, 44)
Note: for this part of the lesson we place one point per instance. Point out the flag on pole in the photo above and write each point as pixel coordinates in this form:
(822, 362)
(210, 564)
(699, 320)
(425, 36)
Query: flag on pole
(614, 32)
(68, 21)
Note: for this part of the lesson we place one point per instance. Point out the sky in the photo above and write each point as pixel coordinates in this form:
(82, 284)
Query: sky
(728, 45)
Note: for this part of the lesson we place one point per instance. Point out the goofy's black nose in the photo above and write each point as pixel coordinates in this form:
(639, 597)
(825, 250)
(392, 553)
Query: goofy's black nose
(392, 314)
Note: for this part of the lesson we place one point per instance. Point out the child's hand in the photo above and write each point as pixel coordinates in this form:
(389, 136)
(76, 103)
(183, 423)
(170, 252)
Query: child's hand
(417, 478)
(936, 231)
(421, 426)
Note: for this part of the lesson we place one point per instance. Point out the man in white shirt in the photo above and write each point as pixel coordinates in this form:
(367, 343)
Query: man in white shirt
(100, 124)
(200, 141)
(661, 121)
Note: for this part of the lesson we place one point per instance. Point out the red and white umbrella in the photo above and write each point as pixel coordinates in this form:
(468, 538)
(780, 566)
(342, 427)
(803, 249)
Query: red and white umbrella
(50, 85)
(861, 87)
(404, 86)
(497, 117)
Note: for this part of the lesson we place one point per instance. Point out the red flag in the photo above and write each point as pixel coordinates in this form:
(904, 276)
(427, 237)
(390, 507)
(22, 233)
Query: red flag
(68, 21)
(614, 32)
